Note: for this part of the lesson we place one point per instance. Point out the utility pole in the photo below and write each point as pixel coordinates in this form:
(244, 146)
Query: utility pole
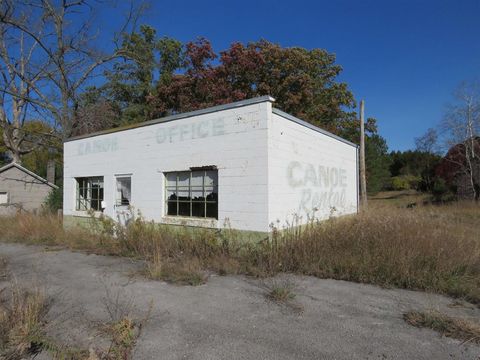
(363, 177)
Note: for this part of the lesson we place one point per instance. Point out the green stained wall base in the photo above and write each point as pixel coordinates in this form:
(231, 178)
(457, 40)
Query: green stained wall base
(91, 223)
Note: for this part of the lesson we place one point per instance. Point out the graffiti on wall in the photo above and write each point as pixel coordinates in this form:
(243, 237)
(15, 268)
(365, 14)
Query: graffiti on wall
(195, 130)
(321, 187)
(97, 146)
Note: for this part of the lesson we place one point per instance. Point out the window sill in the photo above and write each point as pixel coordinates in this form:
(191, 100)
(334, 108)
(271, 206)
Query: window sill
(190, 221)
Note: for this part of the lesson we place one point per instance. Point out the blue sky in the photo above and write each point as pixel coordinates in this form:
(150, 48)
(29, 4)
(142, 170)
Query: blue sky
(405, 58)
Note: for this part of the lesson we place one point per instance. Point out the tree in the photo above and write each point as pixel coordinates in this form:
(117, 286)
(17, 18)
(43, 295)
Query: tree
(461, 130)
(428, 150)
(417, 164)
(377, 161)
(97, 112)
(454, 169)
(428, 142)
(62, 57)
(19, 77)
(303, 82)
(48, 149)
(132, 80)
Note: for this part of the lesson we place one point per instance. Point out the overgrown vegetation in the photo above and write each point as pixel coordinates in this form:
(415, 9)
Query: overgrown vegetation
(279, 291)
(22, 316)
(23, 322)
(3, 268)
(54, 200)
(177, 271)
(24, 327)
(431, 248)
(123, 328)
(462, 329)
(124, 335)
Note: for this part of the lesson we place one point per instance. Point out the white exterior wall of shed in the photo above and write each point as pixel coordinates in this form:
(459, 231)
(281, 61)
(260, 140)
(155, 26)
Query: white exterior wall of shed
(298, 163)
(234, 140)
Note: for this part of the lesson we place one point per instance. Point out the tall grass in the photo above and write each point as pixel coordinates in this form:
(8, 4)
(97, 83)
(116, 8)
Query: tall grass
(432, 248)
(22, 317)
(458, 328)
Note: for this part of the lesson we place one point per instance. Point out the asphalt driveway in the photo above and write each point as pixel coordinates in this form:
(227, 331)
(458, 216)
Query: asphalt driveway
(229, 317)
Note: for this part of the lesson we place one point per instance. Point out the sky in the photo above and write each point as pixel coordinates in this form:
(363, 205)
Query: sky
(404, 58)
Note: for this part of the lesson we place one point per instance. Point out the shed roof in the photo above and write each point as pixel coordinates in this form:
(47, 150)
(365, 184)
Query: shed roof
(21, 168)
(212, 109)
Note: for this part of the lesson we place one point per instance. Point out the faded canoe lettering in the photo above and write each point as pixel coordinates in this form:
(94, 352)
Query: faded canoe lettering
(97, 146)
(321, 187)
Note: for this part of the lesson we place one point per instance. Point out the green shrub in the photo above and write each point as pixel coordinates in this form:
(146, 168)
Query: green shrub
(54, 200)
(405, 182)
(441, 191)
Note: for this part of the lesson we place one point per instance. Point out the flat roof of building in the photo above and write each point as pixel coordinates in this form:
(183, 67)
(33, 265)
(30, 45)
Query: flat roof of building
(212, 109)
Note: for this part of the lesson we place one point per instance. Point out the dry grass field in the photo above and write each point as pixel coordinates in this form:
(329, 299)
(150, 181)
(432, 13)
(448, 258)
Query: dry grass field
(431, 248)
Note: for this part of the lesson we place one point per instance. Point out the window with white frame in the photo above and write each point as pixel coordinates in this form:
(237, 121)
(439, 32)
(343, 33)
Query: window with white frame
(124, 191)
(89, 193)
(3, 197)
(192, 193)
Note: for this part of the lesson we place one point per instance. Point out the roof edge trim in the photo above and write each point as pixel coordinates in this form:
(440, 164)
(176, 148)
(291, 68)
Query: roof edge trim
(236, 104)
(31, 173)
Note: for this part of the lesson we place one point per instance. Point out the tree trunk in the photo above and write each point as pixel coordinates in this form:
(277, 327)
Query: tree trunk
(11, 143)
(16, 158)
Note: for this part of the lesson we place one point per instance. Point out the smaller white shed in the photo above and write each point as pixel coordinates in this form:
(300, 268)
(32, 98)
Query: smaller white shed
(244, 165)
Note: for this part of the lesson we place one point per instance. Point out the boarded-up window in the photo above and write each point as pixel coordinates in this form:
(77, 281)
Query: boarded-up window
(89, 193)
(192, 193)
(124, 191)
(3, 197)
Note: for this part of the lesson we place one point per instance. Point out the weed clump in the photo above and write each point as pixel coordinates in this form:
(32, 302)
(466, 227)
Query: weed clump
(22, 319)
(23, 322)
(460, 329)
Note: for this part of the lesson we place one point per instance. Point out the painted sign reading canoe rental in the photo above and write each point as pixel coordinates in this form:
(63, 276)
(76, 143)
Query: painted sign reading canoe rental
(321, 187)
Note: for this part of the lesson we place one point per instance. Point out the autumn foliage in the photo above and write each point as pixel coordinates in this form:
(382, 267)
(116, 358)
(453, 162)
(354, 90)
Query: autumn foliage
(302, 81)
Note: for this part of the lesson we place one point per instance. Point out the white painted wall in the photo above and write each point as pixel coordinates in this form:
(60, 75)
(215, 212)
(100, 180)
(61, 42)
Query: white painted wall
(269, 167)
(235, 140)
(298, 159)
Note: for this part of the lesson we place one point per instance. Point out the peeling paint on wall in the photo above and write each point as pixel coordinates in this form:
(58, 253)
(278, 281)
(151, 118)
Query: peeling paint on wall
(321, 187)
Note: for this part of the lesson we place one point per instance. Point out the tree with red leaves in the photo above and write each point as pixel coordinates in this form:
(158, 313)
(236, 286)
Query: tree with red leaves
(302, 81)
(462, 171)
(461, 128)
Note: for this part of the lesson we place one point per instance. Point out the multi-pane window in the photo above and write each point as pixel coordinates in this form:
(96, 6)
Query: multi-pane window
(124, 191)
(192, 193)
(89, 193)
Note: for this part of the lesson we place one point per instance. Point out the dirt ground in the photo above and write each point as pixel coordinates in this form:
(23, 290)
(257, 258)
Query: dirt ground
(229, 316)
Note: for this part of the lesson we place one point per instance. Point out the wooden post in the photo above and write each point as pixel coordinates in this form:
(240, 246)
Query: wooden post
(363, 177)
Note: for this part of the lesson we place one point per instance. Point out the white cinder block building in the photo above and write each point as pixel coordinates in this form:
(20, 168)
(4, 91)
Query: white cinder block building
(244, 165)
